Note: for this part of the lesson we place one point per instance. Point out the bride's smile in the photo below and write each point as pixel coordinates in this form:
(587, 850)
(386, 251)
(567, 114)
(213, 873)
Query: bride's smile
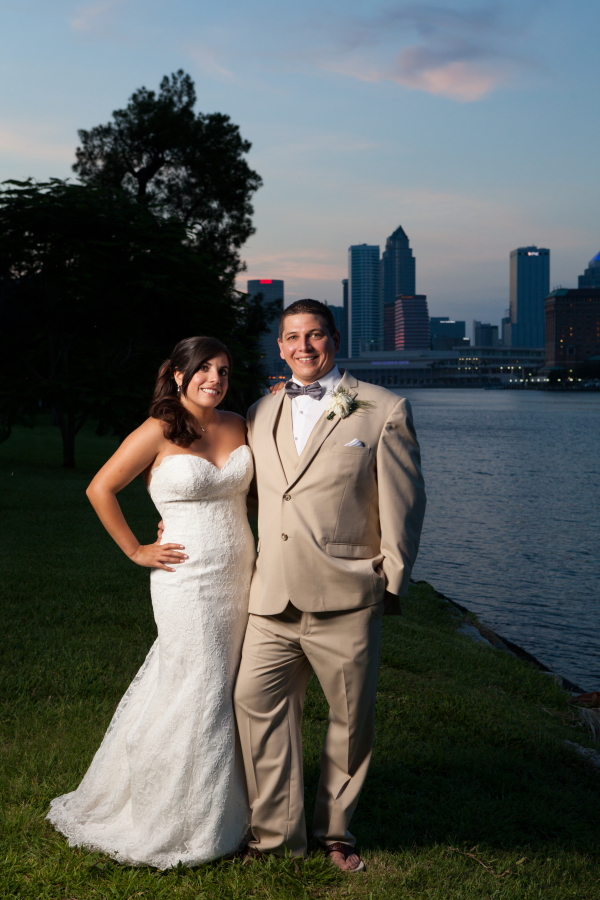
(205, 389)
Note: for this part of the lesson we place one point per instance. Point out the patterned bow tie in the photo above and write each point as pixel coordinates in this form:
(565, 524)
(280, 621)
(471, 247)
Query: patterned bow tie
(296, 390)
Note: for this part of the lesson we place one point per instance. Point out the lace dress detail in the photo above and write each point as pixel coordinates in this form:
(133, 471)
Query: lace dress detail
(167, 784)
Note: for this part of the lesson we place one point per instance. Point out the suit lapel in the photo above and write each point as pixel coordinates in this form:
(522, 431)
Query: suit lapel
(286, 446)
(271, 430)
(321, 431)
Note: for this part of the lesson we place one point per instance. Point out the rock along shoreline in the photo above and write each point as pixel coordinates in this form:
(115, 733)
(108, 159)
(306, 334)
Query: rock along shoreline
(589, 712)
(473, 628)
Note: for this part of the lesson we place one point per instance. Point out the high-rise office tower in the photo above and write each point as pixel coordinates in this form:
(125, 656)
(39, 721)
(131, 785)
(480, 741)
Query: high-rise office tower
(398, 276)
(365, 319)
(344, 350)
(272, 291)
(341, 323)
(340, 314)
(506, 329)
(389, 326)
(447, 333)
(412, 323)
(485, 335)
(591, 276)
(529, 287)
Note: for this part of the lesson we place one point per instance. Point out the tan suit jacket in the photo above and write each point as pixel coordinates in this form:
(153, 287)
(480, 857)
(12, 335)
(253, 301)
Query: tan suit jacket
(337, 525)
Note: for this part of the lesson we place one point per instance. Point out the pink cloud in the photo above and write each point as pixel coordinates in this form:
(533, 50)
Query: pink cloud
(463, 80)
(459, 54)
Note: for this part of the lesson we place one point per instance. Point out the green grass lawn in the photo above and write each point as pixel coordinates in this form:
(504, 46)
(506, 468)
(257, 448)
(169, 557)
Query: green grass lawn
(472, 792)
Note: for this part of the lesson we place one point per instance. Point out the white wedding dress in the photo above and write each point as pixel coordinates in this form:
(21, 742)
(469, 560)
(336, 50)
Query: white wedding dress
(167, 783)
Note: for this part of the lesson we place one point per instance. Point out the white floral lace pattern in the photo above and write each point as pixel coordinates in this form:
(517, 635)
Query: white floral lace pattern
(167, 785)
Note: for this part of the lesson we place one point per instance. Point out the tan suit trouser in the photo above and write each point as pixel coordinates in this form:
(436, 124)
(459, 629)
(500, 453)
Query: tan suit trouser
(280, 652)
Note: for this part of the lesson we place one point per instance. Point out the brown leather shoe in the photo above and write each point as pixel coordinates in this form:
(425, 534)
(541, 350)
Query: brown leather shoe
(347, 850)
(250, 854)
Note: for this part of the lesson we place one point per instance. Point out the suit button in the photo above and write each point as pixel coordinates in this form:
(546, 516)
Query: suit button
(287, 497)
(284, 537)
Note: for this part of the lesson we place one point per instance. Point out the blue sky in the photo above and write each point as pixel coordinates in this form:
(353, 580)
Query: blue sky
(475, 126)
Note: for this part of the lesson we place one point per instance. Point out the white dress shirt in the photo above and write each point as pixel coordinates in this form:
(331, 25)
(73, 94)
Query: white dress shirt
(306, 411)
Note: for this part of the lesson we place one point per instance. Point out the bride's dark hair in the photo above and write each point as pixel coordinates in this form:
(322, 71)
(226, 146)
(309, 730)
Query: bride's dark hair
(179, 425)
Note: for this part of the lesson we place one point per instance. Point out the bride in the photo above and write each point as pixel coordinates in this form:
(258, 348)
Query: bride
(166, 784)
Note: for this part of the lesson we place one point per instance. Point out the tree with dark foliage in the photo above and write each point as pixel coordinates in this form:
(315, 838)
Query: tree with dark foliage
(95, 291)
(179, 163)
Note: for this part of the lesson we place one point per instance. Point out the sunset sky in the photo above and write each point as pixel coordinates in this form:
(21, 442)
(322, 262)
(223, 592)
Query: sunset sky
(476, 126)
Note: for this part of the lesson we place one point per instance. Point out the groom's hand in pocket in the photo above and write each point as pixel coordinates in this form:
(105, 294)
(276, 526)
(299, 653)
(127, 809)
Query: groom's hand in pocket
(391, 605)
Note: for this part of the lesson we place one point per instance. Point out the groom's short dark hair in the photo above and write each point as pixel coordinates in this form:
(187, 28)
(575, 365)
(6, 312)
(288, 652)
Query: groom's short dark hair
(313, 307)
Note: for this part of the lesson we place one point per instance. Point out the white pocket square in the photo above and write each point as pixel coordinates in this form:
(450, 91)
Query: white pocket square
(354, 443)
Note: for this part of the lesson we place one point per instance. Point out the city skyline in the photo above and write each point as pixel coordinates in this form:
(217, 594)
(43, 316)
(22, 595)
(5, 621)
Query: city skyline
(589, 278)
(469, 122)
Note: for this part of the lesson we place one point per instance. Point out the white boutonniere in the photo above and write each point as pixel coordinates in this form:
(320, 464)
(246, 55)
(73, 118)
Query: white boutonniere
(342, 404)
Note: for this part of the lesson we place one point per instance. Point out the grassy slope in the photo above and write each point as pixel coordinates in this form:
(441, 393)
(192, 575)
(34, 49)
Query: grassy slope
(469, 755)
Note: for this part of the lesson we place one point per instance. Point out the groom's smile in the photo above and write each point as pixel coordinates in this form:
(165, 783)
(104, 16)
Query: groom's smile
(307, 346)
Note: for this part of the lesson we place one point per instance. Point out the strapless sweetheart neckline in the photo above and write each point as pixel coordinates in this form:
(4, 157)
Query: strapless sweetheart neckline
(196, 456)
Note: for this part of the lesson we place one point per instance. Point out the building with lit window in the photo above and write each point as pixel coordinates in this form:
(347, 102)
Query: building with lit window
(272, 291)
(529, 287)
(445, 333)
(572, 326)
(398, 276)
(412, 322)
(468, 367)
(365, 312)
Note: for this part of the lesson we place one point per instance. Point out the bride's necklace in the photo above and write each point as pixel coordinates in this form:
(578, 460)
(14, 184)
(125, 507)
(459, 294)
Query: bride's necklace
(202, 428)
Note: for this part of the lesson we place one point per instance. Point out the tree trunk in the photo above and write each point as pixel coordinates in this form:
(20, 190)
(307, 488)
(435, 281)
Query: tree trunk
(69, 425)
(68, 449)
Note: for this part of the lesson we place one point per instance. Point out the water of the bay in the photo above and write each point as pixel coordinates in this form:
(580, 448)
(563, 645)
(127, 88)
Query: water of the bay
(512, 529)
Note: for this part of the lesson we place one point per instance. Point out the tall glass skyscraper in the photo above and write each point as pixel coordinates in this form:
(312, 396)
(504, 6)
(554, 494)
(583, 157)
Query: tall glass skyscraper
(365, 319)
(529, 287)
(340, 314)
(398, 276)
(272, 290)
(341, 323)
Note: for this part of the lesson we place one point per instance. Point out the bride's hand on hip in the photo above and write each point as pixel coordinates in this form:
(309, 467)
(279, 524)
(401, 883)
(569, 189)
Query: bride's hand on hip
(159, 556)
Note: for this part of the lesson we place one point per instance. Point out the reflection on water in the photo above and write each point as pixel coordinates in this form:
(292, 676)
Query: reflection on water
(512, 529)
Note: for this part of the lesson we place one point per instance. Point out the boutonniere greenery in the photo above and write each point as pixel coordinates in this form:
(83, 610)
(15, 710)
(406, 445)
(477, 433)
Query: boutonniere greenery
(342, 404)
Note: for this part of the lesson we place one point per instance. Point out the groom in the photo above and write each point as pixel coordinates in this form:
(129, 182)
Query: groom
(341, 505)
